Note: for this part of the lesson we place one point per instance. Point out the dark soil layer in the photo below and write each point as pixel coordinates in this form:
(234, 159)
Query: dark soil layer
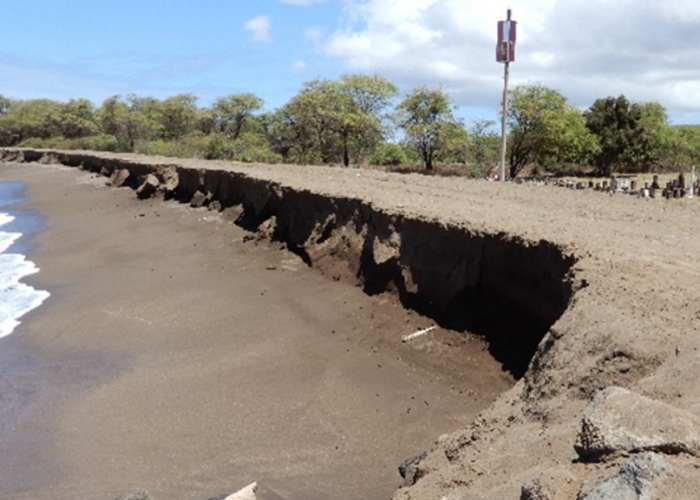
(502, 287)
(574, 291)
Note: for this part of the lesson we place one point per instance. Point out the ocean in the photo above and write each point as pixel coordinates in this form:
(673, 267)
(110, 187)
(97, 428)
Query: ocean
(16, 225)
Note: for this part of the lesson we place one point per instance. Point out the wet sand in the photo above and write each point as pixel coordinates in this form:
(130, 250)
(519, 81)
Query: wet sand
(176, 356)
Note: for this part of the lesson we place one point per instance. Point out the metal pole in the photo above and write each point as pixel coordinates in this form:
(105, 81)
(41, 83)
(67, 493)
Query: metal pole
(504, 137)
(692, 183)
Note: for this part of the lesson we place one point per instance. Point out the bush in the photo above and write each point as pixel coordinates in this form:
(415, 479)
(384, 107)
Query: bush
(102, 142)
(248, 148)
(389, 155)
(190, 146)
(39, 143)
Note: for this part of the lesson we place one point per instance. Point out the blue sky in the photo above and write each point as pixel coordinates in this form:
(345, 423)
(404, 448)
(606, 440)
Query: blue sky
(586, 49)
(91, 48)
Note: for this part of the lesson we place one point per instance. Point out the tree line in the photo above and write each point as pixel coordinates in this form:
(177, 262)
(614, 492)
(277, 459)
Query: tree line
(361, 120)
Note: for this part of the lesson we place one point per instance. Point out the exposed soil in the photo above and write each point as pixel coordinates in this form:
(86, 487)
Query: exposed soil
(182, 355)
(602, 289)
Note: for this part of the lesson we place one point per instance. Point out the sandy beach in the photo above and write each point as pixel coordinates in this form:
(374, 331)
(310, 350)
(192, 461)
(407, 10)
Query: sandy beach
(178, 355)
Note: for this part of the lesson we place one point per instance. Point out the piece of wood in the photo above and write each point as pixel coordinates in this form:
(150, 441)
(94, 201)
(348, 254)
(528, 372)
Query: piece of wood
(419, 333)
(247, 493)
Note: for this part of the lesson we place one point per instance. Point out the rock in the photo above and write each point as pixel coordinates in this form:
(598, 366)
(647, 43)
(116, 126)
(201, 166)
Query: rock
(170, 182)
(148, 187)
(199, 199)
(635, 480)
(620, 421)
(136, 495)
(120, 177)
(247, 493)
(535, 490)
(409, 469)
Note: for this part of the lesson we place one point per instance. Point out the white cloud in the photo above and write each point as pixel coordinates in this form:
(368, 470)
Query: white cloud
(315, 35)
(259, 28)
(304, 3)
(299, 66)
(587, 49)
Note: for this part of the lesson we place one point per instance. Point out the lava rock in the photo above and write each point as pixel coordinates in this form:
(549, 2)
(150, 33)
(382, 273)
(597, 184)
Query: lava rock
(409, 469)
(120, 177)
(199, 199)
(148, 187)
(621, 421)
(535, 490)
(170, 182)
(136, 495)
(635, 480)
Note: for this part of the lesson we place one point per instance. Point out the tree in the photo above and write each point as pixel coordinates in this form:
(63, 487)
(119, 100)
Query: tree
(340, 120)
(314, 115)
(426, 117)
(631, 136)
(282, 136)
(484, 145)
(77, 118)
(232, 113)
(545, 130)
(366, 122)
(654, 136)
(132, 120)
(685, 145)
(176, 116)
(5, 104)
(33, 118)
(454, 145)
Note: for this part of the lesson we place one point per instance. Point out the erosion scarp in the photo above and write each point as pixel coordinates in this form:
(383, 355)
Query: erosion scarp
(508, 289)
(573, 291)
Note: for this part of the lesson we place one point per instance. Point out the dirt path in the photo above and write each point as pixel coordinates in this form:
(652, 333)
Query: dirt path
(175, 356)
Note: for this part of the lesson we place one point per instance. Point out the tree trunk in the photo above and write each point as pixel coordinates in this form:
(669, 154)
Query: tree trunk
(428, 159)
(346, 153)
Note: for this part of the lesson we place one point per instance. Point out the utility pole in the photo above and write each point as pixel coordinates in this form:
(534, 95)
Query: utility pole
(691, 193)
(505, 53)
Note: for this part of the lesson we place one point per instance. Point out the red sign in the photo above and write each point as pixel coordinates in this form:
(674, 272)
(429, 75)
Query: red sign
(505, 49)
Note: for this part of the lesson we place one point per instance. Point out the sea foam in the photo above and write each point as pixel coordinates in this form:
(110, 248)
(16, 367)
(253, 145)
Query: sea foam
(16, 299)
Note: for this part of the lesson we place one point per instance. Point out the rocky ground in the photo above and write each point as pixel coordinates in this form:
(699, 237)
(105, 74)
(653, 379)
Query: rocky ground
(586, 292)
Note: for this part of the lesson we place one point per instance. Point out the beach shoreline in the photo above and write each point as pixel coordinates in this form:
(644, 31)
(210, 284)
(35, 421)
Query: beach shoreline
(584, 294)
(179, 358)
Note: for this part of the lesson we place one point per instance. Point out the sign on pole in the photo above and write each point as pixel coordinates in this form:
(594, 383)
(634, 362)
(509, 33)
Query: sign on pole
(505, 53)
(505, 49)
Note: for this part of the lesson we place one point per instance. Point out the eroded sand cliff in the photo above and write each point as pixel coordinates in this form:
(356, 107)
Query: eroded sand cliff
(575, 291)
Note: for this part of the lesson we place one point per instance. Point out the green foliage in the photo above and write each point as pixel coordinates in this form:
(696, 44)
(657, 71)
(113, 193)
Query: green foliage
(426, 117)
(684, 146)
(337, 121)
(102, 142)
(193, 145)
(389, 154)
(545, 130)
(632, 136)
(132, 120)
(77, 118)
(248, 148)
(176, 116)
(40, 143)
(231, 114)
(484, 148)
(33, 118)
(367, 120)
(454, 145)
(5, 104)
(352, 120)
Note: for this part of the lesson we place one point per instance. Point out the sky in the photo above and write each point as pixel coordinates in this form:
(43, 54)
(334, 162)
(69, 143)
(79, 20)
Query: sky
(647, 50)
